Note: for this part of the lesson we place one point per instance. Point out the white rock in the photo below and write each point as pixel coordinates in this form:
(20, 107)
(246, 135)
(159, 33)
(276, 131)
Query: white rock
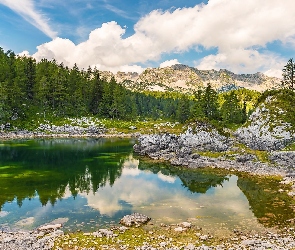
(50, 227)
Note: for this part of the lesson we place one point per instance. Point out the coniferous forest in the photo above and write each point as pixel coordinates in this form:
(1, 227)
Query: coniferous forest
(46, 89)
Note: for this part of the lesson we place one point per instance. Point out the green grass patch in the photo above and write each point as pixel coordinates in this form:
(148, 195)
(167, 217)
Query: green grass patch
(260, 154)
(131, 238)
(290, 147)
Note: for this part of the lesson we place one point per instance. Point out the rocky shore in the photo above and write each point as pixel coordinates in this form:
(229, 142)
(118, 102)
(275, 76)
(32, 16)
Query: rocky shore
(185, 236)
(29, 240)
(24, 134)
(203, 146)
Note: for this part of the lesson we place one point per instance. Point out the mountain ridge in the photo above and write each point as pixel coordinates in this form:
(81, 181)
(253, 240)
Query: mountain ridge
(184, 78)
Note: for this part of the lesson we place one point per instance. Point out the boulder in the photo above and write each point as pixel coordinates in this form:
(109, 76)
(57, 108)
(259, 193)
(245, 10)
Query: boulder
(135, 219)
(49, 227)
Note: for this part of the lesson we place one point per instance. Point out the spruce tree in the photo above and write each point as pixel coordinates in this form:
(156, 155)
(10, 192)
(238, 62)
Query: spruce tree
(289, 75)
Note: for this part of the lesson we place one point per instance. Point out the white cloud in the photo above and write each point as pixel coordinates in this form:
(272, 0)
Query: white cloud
(236, 28)
(169, 63)
(274, 73)
(166, 178)
(26, 9)
(24, 53)
(244, 60)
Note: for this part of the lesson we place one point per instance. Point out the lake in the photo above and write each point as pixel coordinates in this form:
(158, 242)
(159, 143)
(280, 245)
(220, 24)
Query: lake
(91, 183)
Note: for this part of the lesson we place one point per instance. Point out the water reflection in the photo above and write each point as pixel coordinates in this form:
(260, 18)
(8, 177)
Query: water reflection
(49, 166)
(90, 182)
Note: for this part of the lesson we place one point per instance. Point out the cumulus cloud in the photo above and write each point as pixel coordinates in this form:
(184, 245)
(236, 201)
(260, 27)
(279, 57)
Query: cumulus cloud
(239, 30)
(244, 60)
(24, 53)
(166, 178)
(169, 63)
(27, 10)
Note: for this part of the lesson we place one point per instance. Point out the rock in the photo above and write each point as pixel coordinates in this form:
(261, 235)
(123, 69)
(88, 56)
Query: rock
(106, 232)
(183, 78)
(179, 229)
(248, 242)
(202, 138)
(245, 158)
(135, 219)
(283, 158)
(204, 237)
(190, 246)
(195, 156)
(186, 224)
(49, 227)
(264, 130)
(132, 127)
(123, 229)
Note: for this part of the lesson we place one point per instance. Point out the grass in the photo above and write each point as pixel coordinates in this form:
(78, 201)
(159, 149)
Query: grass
(113, 126)
(132, 238)
(261, 156)
(290, 147)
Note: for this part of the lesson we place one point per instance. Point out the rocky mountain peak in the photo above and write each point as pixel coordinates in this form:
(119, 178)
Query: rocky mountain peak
(183, 78)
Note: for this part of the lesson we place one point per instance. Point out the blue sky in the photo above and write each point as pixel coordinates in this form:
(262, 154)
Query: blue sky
(131, 35)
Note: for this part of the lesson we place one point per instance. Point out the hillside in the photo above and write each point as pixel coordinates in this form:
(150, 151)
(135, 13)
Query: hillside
(186, 79)
(271, 125)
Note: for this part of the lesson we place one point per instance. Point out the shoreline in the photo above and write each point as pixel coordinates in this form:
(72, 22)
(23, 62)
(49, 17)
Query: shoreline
(185, 235)
(246, 166)
(14, 135)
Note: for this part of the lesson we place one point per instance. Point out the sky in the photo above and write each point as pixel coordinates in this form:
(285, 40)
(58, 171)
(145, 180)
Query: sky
(243, 36)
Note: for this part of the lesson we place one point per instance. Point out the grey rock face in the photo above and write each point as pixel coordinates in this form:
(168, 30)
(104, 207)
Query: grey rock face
(283, 158)
(170, 146)
(184, 78)
(245, 158)
(28, 240)
(265, 131)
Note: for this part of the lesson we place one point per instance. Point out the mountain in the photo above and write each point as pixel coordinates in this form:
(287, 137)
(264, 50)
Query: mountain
(187, 79)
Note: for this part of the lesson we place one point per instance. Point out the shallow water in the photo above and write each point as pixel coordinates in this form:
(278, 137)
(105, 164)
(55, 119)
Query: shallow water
(86, 184)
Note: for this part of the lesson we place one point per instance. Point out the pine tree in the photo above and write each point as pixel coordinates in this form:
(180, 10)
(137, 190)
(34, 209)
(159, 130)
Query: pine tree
(231, 110)
(197, 109)
(210, 103)
(96, 94)
(183, 110)
(289, 75)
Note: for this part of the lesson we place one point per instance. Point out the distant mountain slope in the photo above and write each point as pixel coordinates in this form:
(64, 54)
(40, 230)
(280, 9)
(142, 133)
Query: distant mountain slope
(186, 79)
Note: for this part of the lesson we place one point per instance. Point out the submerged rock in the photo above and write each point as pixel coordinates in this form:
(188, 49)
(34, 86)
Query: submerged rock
(135, 219)
(49, 227)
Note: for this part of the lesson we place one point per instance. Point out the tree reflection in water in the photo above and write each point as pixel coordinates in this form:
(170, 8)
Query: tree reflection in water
(54, 169)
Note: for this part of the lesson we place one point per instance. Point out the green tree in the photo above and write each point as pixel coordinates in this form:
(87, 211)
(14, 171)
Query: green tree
(231, 110)
(96, 93)
(289, 75)
(183, 110)
(197, 108)
(210, 103)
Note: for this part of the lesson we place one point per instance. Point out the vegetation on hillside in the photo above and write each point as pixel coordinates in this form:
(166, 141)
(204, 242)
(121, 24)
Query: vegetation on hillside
(31, 91)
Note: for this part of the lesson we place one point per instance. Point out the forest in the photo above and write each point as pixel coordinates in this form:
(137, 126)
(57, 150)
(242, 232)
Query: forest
(32, 90)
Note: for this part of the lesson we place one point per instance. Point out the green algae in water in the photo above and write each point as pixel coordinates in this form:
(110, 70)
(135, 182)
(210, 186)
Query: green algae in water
(95, 182)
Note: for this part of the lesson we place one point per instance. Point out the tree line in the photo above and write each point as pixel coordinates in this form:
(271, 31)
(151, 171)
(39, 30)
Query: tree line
(46, 89)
